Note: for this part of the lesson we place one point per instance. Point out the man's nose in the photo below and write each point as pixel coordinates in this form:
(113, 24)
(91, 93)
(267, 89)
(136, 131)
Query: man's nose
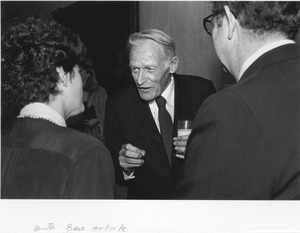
(141, 77)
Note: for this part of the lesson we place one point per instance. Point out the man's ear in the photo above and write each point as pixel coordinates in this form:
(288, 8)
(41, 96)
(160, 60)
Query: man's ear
(231, 20)
(63, 76)
(174, 64)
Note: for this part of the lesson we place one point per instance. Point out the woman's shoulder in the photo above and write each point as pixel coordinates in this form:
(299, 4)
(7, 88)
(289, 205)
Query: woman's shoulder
(72, 142)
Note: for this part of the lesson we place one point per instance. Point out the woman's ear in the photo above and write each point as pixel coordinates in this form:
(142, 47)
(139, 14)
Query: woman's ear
(63, 76)
(231, 20)
(174, 64)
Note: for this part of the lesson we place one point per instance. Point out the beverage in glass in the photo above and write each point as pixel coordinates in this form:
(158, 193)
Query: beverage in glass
(184, 127)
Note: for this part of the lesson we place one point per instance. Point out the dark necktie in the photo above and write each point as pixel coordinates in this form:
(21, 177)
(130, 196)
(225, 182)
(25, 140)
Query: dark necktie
(166, 125)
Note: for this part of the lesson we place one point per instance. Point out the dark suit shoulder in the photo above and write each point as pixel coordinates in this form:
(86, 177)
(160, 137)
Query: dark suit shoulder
(124, 98)
(75, 136)
(190, 92)
(125, 92)
(74, 142)
(194, 85)
(192, 79)
(41, 134)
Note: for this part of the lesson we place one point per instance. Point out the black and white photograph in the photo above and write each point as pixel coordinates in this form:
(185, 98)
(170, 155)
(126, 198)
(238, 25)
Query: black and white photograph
(150, 116)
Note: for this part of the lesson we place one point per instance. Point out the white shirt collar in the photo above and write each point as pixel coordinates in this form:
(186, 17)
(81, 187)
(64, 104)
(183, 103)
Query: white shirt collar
(168, 93)
(260, 52)
(42, 111)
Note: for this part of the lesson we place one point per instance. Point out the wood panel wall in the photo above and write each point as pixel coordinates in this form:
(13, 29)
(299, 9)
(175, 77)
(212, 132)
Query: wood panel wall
(182, 20)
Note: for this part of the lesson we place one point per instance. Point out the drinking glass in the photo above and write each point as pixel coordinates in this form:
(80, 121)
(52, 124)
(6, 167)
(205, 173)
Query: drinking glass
(184, 127)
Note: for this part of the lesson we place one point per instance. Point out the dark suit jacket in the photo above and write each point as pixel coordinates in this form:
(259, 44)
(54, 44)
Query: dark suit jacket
(42, 160)
(129, 120)
(245, 141)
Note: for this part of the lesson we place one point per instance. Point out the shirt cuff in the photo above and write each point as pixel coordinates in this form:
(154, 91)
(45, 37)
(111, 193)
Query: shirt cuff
(128, 176)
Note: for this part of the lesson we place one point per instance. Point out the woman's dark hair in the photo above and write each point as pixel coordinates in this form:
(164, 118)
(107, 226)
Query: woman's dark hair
(31, 50)
(264, 16)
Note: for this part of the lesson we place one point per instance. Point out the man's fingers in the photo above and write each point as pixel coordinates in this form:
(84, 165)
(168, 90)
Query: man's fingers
(179, 143)
(130, 147)
(130, 163)
(180, 149)
(131, 157)
(129, 150)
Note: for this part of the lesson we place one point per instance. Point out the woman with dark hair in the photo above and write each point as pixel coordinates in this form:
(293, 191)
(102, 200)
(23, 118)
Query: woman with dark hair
(42, 87)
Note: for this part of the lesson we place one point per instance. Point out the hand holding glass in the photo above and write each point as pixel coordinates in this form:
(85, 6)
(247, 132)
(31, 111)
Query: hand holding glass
(184, 128)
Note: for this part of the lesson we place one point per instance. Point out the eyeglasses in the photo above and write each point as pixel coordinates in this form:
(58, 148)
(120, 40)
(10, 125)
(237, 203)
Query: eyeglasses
(208, 24)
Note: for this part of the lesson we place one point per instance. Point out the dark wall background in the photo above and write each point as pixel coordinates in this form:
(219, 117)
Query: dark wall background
(11, 9)
(104, 26)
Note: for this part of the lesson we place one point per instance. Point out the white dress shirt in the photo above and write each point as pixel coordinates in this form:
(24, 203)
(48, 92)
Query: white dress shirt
(168, 94)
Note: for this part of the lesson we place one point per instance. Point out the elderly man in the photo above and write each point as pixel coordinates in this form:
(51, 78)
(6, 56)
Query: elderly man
(136, 123)
(245, 140)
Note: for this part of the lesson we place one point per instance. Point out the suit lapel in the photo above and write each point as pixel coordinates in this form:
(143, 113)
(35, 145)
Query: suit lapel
(143, 112)
(176, 104)
(181, 103)
(178, 99)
